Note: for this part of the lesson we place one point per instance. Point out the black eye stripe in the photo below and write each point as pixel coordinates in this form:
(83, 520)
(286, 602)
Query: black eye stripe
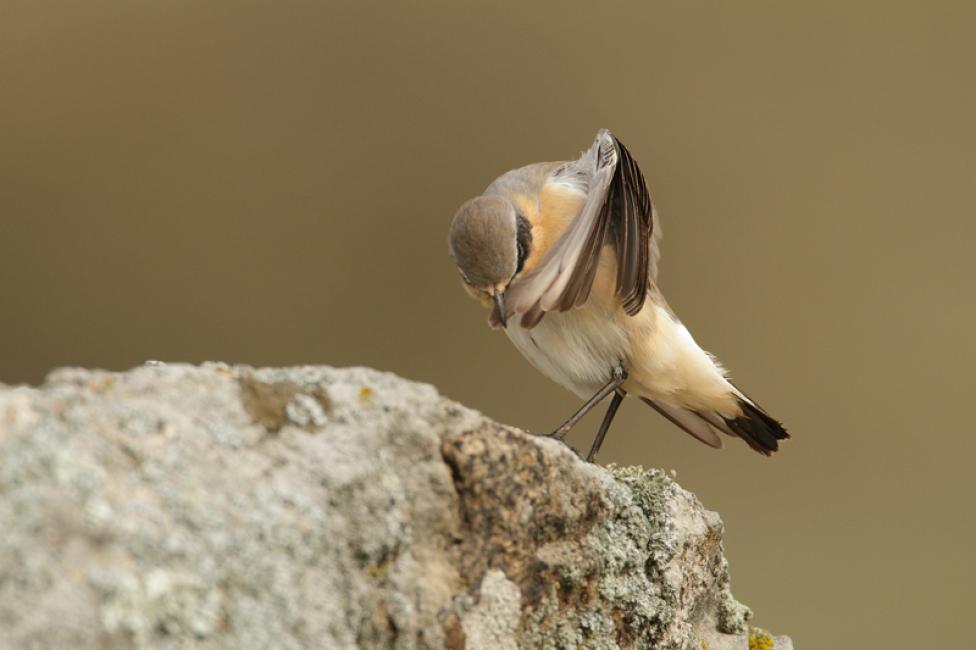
(523, 240)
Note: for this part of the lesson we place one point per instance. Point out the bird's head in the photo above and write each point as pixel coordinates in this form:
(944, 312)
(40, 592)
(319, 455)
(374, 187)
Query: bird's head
(489, 242)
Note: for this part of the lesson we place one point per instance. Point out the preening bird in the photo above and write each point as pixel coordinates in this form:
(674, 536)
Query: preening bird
(565, 254)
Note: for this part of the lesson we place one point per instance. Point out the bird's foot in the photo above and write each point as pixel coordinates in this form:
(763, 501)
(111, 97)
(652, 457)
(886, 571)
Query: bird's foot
(561, 437)
(559, 434)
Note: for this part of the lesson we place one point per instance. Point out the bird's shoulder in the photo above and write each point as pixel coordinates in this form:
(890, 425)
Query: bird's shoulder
(527, 180)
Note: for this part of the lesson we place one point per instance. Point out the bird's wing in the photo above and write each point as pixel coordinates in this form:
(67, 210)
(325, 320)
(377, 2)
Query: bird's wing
(617, 212)
(697, 424)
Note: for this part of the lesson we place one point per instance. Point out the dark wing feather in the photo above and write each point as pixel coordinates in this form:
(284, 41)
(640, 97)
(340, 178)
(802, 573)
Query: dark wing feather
(617, 212)
(631, 225)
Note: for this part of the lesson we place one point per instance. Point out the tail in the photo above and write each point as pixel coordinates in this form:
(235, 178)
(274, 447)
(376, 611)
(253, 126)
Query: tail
(755, 426)
(759, 429)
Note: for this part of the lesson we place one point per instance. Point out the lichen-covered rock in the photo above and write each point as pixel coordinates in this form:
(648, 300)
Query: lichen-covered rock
(174, 506)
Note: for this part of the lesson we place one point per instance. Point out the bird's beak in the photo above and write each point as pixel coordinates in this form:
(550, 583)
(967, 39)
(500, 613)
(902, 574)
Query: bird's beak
(499, 298)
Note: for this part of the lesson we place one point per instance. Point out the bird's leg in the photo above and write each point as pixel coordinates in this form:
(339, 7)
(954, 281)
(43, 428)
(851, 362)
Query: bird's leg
(618, 377)
(618, 397)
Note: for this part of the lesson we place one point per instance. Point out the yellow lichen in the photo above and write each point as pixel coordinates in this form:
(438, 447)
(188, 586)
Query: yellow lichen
(759, 639)
(365, 393)
(376, 571)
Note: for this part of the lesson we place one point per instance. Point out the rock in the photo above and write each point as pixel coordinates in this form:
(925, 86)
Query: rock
(174, 506)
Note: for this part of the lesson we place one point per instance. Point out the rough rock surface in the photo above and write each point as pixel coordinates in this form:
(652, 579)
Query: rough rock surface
(175, 506)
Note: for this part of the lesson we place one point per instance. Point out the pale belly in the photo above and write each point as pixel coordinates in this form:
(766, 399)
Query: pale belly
(577, 349)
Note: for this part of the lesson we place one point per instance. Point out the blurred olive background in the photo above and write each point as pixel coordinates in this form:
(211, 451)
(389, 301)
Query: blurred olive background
(272, 183)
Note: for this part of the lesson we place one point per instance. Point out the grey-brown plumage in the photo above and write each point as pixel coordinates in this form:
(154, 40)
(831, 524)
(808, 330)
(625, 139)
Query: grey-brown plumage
(484, 242)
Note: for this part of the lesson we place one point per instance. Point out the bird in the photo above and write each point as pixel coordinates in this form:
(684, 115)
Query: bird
(565, 255)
